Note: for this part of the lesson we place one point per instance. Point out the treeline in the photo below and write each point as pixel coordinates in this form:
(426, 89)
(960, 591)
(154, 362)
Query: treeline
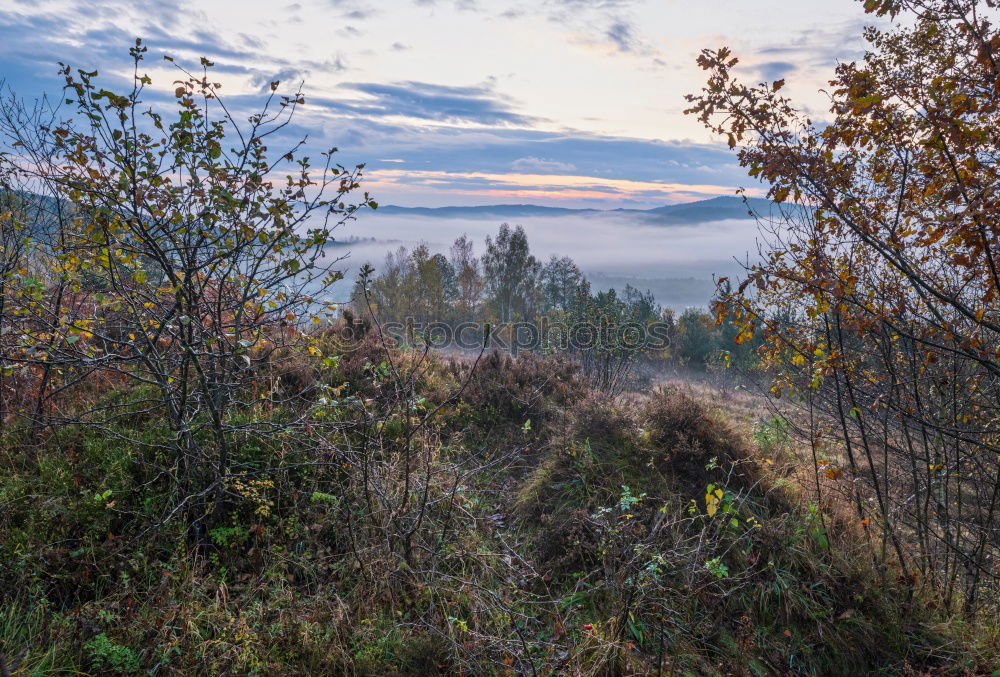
(506, 284)
(543, 307)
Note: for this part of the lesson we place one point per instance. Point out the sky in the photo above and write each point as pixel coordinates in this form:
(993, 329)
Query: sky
(575, 103)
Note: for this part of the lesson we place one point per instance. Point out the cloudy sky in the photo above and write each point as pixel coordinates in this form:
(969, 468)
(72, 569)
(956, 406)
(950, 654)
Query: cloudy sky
(459, 102)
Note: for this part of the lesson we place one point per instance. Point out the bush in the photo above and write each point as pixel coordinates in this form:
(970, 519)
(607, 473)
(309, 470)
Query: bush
(504, 390)
(110, 658)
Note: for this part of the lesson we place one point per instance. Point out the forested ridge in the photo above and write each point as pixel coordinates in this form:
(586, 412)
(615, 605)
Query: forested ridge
(209, 467)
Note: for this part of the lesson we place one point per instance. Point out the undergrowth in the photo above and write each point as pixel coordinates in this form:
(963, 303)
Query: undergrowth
(536, 528)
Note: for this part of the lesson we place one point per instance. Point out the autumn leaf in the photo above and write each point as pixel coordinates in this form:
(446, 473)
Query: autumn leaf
(712, 500)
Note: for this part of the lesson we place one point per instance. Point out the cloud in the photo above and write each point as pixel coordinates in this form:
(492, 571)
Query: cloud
(535, 164)
(289, 76)
(820, 47)
(425, 101)
(591, 4)
(94, 38)
(459, 5)
(498, 149)
(353, 9)
(470, 142)
(501, 187)
(775, 70)
(622, 35)
(603, 23)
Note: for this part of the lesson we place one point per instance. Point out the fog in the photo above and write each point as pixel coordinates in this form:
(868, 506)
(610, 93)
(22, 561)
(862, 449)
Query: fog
(607, 245)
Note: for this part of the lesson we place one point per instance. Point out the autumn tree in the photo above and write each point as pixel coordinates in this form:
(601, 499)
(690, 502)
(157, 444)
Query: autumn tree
(878, 302)
(185, 254)
(415, 287)
(23, 228)
(434, 288)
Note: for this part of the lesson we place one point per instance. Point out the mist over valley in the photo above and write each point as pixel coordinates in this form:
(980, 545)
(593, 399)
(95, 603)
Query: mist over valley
(674, 252)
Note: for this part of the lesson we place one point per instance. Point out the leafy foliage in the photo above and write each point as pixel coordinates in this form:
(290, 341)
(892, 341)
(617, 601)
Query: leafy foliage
(877, 303)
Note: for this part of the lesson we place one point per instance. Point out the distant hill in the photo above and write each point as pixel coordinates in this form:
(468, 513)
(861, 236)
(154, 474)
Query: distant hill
(701, 211)
(485, 210)
(716, 209)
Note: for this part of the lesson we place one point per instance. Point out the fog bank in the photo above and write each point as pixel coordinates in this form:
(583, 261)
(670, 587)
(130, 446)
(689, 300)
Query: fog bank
(607, 246)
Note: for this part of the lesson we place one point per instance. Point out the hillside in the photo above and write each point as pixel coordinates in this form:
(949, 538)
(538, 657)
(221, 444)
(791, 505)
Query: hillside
(545, 530)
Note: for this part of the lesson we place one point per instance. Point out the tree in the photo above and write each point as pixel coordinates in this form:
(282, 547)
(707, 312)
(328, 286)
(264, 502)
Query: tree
(878, 298)
(434, 286)
(609, 333)
(414, 287)
(737, 351)
(22, 229)
(511, 273)
(387, 292)
(697, 343)
(468, 278)
(175, 259)
(560, 279)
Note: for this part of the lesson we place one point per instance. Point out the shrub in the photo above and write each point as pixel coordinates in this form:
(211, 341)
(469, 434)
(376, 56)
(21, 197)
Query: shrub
(111, 658)
(507, 390)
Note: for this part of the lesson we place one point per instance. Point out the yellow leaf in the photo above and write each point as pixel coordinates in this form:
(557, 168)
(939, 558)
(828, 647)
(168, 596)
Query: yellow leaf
(712, 500)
